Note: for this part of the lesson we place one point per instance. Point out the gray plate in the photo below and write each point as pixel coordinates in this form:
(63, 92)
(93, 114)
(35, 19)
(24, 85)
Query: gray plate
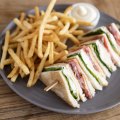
(106, 99)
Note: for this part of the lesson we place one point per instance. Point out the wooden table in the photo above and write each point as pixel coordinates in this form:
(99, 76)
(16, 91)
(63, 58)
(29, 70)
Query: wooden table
(11, 105)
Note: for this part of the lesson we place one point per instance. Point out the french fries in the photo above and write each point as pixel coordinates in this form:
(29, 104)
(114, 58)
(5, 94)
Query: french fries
(39, 40)
(42, 27)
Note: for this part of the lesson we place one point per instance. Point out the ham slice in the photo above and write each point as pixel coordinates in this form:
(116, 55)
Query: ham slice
(80, 76)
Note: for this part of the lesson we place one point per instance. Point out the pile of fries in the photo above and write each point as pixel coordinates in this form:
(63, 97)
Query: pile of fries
(39, 40)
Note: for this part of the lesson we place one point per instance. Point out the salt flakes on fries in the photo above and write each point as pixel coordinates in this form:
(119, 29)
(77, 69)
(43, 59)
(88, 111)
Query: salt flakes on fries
(38, 41)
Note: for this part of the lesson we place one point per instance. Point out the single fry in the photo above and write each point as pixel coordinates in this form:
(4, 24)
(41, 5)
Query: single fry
(19, 24)
(42, 26)
(83, 23)
(18, 61)
(13, 72)
(41, 65)
(51, 53)
(27, 24)
(22, 74)
(5, 48)
(52, 19)
(51, 27)
(42, 12)
(67, 10)
(22, 17)
(14, 45)
(37, 13)
(72, 38)
(73, 28)
(65, 29)
(32, 47)
(13, 79)
(60, 24)
(48, 32)
(25, 52)
(64, 17)
(78, 32)
(31, 77)
(31, 16)
(61, 54)
(8, 61)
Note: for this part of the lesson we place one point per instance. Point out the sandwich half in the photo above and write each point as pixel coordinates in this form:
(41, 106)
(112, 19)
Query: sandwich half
(111, 39)
(68, 87)
(103, 57)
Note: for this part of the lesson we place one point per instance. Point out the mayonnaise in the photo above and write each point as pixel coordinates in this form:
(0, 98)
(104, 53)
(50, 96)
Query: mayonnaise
(85, 12)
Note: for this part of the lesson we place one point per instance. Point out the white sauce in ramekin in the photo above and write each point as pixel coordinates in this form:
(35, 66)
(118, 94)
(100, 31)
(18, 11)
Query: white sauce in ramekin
(85, 12)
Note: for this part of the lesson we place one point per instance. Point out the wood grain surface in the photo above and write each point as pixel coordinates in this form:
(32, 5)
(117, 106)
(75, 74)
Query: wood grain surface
(15, 108)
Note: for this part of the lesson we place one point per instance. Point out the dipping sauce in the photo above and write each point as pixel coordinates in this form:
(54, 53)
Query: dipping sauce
(85, 12)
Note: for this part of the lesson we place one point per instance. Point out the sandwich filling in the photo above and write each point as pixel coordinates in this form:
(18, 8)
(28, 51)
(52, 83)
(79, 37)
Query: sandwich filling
(80, 77)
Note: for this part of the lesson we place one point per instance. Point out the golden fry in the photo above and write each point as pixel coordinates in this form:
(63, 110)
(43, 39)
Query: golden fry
(19, 24)
(67, 10)
(52, 19)
(14, 45)
(83, 23)
(22, 17)
(37, 13)
(27, 25)
(25, 52)
(31, 77)
(5, 48)
(73, 28)
(32, 47)
(8, 61)
(78, 32)
(13, 79)
(64, 17)
(13, 72)
(65, 29)
(51, 53)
